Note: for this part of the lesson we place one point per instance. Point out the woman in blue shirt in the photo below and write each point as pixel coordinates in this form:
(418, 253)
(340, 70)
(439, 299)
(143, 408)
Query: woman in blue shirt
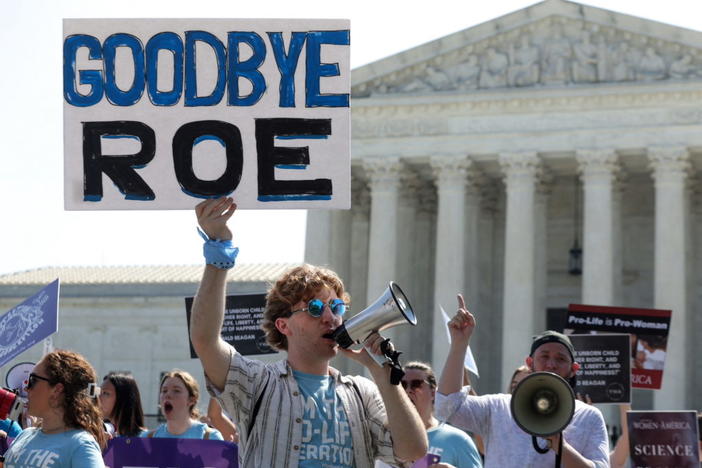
(60, 391)
(178, 400)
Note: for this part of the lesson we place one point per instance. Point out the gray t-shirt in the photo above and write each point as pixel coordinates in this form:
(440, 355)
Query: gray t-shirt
(506, 444)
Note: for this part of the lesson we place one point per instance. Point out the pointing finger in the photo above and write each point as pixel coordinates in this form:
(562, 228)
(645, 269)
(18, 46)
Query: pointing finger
(461, 302)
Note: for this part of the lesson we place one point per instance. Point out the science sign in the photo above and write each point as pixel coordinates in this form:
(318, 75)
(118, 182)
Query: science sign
(662, 439)
(161, 113)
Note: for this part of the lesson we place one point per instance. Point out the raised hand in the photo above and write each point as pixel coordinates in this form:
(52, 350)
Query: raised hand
(462, 324)
(212, 216)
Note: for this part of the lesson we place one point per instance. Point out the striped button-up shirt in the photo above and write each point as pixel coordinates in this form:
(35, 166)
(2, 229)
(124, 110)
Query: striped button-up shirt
(275, 439)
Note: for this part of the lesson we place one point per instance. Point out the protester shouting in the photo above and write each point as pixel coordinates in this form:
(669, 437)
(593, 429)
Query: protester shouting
(298, 410)
(584, 443)
(178, 397)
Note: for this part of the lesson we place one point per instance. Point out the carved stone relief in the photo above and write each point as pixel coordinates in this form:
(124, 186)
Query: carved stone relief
(555, 51)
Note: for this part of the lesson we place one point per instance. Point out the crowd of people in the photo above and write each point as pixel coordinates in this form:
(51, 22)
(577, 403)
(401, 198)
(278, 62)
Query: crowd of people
(300, 411)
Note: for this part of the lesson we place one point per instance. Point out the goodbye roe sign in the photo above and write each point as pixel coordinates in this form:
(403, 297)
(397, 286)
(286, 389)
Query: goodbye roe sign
(161, 113)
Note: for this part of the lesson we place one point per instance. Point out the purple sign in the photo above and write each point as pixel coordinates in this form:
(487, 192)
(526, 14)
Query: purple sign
(29, 323)
(169, 453)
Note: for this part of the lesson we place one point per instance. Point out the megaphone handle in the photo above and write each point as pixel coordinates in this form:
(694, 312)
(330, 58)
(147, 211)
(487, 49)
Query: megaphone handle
(546, 450)
(539, 449)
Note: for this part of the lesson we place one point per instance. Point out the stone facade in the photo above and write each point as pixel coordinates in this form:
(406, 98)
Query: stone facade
(483, 136)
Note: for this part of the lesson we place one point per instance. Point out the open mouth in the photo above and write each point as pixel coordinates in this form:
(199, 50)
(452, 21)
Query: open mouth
(167, 407)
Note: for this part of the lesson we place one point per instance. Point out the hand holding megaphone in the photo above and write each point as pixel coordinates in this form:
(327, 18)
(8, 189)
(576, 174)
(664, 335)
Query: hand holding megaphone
(374, 348)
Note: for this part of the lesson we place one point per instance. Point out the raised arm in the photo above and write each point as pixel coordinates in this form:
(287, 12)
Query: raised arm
(208, 307)
(409, 437)
(461, 328)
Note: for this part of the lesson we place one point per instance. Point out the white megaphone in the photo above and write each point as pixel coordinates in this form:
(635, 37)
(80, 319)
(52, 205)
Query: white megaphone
(389, 310)
(543, 405)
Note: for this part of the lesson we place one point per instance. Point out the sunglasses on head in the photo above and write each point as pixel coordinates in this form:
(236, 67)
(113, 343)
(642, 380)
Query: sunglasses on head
(34, 378)
(412, 384)
(315, 307)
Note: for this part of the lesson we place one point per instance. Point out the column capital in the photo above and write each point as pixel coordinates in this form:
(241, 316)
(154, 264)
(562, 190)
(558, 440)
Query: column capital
(383, 173)
(597, 163)
(360, 198)
(669, 163)
(450, 169)
(520, 165)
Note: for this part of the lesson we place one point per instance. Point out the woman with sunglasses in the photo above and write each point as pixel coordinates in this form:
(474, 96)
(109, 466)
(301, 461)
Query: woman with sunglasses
(178, 403)
(453, 447)
(60, 391)
(120, 404)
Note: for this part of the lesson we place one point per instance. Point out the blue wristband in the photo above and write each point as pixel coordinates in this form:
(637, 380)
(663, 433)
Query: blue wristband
(218, 253)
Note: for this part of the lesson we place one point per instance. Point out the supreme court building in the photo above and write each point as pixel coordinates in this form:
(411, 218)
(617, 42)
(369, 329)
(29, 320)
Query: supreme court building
(479, 159)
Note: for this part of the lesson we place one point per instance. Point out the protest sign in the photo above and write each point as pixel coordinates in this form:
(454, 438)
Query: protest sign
(662, 439)
(605, 371)
(123, 452)
(241, 328)
(30, 322)
(161, 113)
(648, 330)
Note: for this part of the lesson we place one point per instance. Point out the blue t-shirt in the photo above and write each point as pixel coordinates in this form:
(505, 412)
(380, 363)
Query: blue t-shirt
(71, 449)
(453, 446)
(326, 434)
(10, 427)
(195, 431)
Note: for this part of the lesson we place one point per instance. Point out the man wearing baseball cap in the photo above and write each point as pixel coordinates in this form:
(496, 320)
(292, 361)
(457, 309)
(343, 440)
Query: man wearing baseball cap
(585, 442)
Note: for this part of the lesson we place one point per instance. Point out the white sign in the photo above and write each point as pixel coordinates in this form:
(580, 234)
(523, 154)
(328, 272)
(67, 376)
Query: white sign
(162, 113)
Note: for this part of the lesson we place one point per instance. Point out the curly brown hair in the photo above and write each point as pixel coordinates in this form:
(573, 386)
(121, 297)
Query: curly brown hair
(75, 373)
(190, 384)
(299, 284)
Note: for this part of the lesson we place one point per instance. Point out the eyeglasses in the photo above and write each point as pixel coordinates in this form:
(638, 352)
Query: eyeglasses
(413, 384)
(33, 378)
(315, 307)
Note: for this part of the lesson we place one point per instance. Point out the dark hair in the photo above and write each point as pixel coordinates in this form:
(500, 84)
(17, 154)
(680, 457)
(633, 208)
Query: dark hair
(75, 373)
(295, 285)
(190, 385)
(127, 414)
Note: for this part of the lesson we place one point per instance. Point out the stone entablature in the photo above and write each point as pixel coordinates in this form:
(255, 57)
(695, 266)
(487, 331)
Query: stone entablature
(553, 44)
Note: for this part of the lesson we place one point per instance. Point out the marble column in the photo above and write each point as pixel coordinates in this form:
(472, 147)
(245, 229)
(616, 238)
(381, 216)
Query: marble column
(598, 170)
(450, 176)
(384, 181)
(671, 166)
(518, 321)
(544, 184)
(360, 222)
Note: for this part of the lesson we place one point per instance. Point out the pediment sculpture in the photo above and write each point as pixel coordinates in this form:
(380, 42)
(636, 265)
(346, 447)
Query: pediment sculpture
(550, 53)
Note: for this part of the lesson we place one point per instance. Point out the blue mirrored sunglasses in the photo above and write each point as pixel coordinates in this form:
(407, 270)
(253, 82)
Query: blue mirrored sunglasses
(315, 307)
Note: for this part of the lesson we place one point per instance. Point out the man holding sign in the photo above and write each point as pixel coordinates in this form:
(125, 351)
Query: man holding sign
(584, 439)
(298, 410)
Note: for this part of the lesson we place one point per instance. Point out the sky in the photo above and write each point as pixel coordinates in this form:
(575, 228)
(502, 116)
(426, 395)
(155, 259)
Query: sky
(36, 232)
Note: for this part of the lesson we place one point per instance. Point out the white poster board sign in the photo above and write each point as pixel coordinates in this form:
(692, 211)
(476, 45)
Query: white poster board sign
(162, 113)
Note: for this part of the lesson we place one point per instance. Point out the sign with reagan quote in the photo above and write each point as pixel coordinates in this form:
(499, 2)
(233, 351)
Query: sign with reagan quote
(161, 113)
